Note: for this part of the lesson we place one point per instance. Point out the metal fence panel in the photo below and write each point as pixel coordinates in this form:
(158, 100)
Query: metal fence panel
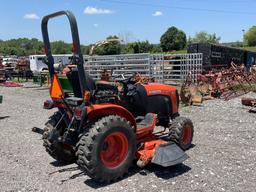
(165, 68)
(126, 64)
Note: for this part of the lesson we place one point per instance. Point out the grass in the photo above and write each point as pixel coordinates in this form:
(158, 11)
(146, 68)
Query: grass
(249, 48)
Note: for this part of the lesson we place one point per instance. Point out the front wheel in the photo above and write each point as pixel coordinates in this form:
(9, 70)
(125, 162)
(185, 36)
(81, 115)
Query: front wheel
(106, 152)
(181, 132)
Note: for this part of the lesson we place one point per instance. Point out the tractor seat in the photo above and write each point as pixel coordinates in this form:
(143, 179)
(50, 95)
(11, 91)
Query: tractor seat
(73, 77)
(147, 122)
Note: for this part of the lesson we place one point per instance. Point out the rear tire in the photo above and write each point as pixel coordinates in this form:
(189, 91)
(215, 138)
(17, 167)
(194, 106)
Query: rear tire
(181, 132)
(51, 143)
(107, 150)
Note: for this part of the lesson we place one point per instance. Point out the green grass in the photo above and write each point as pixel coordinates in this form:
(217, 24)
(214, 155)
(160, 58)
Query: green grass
(249, 48)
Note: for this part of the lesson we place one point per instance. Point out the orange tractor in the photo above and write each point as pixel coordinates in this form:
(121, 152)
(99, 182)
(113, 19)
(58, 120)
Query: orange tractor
(104, 128)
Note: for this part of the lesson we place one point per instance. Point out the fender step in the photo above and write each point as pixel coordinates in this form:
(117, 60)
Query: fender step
(169, 154)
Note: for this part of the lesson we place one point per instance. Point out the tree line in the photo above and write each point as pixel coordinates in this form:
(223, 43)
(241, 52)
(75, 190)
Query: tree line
(173, 39)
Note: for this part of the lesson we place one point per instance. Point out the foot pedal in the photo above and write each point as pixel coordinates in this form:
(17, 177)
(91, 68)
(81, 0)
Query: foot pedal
(168, 155)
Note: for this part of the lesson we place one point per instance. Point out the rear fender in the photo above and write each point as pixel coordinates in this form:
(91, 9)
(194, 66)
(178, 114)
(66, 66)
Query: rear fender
(100, 110)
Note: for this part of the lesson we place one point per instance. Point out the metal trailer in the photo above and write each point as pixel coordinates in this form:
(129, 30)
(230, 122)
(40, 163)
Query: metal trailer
(219, 56)
(37, 61)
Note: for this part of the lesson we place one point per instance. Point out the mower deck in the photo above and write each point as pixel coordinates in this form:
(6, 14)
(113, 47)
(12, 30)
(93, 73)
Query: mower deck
(154, 149)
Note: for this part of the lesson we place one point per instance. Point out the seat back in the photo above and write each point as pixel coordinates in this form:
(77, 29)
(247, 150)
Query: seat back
(73, 77)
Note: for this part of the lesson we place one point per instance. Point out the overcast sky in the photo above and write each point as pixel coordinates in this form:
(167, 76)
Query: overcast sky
(137, 20)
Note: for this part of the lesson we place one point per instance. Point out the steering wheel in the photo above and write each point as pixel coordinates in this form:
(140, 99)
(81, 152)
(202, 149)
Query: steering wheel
(129, 80)
(125, 84)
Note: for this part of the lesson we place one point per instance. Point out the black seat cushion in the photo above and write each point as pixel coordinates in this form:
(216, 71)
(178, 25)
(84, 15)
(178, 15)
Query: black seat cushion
(73, 77)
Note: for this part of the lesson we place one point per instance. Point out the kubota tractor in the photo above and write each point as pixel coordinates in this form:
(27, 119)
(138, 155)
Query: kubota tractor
(104, 128)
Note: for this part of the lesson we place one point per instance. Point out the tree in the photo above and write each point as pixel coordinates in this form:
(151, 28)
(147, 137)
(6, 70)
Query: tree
(60, 47)
(173, 39)
(156, 48)
(85, 49)
(21, 46)
(145, 47)
(204, 37)
(250, 36)
(140, 47)
(111, 46)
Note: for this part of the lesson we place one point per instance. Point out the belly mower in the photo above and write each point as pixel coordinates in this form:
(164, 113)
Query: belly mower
(103, 128)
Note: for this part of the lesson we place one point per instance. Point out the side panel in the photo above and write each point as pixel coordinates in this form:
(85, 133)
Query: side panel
(162, 106)
(97, 111)
(154, 89)
(159, 104)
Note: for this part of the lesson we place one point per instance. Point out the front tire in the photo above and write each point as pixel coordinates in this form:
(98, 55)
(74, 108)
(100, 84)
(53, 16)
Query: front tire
(182, 132)
(107, 150)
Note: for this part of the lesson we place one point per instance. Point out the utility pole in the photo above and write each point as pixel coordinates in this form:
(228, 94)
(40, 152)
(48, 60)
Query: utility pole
(243, 37)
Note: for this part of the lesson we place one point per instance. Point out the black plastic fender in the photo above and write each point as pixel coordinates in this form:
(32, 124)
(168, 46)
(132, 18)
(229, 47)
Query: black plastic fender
(168, 155)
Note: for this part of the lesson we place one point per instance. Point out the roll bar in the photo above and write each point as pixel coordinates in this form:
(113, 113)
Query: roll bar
(77, 55)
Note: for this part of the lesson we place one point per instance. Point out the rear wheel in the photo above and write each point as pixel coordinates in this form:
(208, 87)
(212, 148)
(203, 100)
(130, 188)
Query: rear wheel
(107, 150)
(181, 132)
(53, 146)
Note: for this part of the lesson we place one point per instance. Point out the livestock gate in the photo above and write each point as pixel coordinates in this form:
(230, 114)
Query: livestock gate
(165, 68)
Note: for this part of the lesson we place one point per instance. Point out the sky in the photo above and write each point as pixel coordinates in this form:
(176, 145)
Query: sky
(131, 19)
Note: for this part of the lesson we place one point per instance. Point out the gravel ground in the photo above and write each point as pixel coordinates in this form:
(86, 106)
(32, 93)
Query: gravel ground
(223, 157)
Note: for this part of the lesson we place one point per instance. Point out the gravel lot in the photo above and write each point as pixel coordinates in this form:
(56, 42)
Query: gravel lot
(223, 157)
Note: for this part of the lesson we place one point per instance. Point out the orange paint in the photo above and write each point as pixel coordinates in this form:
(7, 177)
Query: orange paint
(56, 91)
(100, 110)
(162, 89)
(147, 152)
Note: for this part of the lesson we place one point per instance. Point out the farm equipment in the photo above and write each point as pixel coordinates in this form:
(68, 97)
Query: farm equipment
(226, 84)
(2, 75)
(250, 102)
(103, 127)
(2, 71)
